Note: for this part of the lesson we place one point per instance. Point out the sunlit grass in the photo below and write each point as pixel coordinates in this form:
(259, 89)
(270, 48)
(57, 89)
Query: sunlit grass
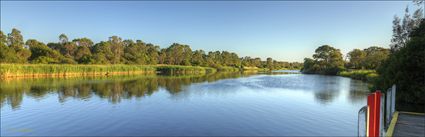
(31, 70)
(365, 75)
(176, 69)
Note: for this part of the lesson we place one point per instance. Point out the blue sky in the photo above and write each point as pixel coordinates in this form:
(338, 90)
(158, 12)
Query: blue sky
(283, 30)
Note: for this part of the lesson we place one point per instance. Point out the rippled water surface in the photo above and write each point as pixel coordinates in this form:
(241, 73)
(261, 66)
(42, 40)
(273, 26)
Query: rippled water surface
(217, 104)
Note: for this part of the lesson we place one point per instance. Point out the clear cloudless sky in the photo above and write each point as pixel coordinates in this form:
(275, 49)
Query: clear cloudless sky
(283, 30)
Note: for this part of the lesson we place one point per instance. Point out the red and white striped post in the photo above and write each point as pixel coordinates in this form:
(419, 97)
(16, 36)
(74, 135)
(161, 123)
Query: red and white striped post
(373, 114)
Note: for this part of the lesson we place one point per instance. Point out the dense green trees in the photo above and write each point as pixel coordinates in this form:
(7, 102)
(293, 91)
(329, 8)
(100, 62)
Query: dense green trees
(135, 53)
(269, 63)
(119, 51)
(403, 64)
(327, 60)
(403, 27)
(356, 59)
(198, 58)
(83, 53)
(178, 54)
(375, 56)
(369, 58)
(6, 54)
(406, 63)
(405, 68)
(15, 43)
(41, 53)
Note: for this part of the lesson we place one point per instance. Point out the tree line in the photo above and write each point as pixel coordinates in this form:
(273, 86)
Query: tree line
(406, 63)
(403, 64)
(405, 68)
(329, 60)
(115, 50)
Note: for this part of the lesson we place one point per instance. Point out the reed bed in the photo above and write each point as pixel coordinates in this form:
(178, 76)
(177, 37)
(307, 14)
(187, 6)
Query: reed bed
(70, 70)
(254, 69)
(228, 69)
(365, 75)
(36, 70)
(175, 69)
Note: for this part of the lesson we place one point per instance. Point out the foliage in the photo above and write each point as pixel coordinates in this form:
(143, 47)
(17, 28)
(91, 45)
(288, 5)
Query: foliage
(176, 69)
(41, 53)
(7, 55)
(369, 58)
(364, 75)
(15, 70)
(405, 68)
(403, 27)
(327, 60)
(119, 51)
(356, 59)
(15, 43)
(228, 69)
(178, 54)
(374, 57)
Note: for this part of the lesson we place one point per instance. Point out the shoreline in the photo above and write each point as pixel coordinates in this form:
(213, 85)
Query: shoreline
(12, 71)
(22, 71)
(65, 75)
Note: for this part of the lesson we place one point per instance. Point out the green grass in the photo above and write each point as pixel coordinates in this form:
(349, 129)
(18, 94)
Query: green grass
(176, 69)
(29, 70)
(228, 69)
(35, 70)
(364, 75)
(64, 69)
(255, 69)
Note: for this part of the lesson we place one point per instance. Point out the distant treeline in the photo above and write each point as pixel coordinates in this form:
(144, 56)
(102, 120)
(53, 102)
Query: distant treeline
(13, 49)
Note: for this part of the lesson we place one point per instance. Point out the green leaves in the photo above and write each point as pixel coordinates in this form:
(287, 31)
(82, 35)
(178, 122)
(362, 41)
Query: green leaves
(369, 58)
(327, 60)
(119, 51)
(405, 68)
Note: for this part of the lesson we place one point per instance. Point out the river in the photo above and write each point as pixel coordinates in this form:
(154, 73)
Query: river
(231, 104)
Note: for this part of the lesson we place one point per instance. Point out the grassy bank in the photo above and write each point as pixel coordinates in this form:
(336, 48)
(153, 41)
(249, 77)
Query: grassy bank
(254, 69)
(40, 70)
(228, 69)
(364, 75)
(175, 69)
(65, 70)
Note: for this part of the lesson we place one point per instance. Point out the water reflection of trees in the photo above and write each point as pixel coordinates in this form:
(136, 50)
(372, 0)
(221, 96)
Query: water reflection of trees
(113, 88)
(331, 88)
(325, 97)
(358, 91)
(327, 88)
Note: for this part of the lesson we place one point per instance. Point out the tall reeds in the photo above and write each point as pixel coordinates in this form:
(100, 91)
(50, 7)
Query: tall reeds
(42, 70)
(34, 70)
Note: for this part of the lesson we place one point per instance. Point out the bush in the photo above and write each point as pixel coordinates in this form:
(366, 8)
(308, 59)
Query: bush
(364, 75)
(405, 68)
(228, 69)
(176, 69)
(14, 70)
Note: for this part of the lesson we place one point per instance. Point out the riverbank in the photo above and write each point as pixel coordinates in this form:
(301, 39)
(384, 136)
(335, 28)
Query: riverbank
(76, 70)
(68, 70)
(176, 69)
(364, 75)
(254, 69)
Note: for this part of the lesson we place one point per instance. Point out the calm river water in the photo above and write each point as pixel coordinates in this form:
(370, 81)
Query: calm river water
(213, 105)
